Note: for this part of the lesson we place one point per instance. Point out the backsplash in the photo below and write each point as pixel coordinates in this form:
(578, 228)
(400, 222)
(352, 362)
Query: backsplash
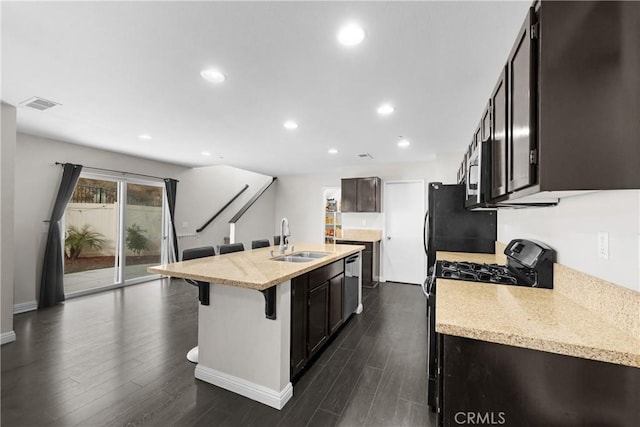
(362, 220)
(572, 229)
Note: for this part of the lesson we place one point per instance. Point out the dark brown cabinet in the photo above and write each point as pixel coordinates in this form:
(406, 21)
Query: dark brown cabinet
(522, 80)
(516, 386)
(361, 194)
(564, 112)
(316, 312)
(299, 303)
(318, 317)
(336, 285)
(498, 142)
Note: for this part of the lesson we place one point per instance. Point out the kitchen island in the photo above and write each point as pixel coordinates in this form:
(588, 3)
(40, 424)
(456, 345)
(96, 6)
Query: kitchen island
(244, 335)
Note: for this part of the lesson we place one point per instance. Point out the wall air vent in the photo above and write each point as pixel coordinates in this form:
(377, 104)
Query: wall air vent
(365, 156)
(39, 103)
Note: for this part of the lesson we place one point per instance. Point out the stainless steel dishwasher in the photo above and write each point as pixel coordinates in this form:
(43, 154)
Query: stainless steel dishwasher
(350, 289)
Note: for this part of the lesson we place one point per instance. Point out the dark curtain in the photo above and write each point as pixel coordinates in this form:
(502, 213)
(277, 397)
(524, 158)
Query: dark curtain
(52, 281)
(170, 186)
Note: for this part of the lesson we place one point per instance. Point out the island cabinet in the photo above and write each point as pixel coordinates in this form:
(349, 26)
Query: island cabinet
(361, 194)
(316, 312)
(488, 383)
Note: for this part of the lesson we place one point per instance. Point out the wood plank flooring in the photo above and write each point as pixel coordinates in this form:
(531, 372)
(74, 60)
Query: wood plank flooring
(118, 359)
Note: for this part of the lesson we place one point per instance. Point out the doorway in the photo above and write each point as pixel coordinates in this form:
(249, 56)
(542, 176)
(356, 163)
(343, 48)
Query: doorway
(403, 255)
(114, 230)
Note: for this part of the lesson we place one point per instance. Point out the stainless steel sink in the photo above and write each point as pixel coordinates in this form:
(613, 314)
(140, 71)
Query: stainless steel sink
(301, 256)
(292, 258)
(314, 255)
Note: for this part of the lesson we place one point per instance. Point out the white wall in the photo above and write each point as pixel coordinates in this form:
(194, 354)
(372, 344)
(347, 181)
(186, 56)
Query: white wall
(299, 197)
(36, 183)
(257, 222)
(7, 165)
(571, 228)
(204, 191)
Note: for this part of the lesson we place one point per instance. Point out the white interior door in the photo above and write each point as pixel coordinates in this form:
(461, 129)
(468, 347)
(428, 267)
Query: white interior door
(404, 259)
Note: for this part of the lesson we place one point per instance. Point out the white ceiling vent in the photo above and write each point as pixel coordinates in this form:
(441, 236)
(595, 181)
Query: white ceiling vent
(39, 103)
(365, 156)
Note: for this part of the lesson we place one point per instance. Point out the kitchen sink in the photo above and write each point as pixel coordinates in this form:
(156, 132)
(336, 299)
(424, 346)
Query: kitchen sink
(314, 255)
(292, 258)
(301, 256)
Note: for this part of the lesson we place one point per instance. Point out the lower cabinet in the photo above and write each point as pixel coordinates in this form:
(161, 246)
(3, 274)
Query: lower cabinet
(316, 312)
(317, 317)
(488, 383)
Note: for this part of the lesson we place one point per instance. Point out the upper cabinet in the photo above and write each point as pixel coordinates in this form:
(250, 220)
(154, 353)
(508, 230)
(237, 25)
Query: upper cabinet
(521, 68)
(564, 111)
(361, 194)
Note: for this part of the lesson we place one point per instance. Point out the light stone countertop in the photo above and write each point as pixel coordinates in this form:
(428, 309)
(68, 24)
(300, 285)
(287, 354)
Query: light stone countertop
(361, 235)
(539, 319)
(254, 269)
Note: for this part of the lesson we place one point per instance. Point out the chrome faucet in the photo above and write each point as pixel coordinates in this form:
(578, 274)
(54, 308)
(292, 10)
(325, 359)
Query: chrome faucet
(284, 235)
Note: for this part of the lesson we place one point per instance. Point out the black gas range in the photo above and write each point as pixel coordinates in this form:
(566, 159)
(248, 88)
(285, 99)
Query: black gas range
(529, 264)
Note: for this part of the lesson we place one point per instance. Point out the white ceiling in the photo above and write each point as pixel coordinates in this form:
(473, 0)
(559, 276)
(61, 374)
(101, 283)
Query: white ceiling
(125, 68)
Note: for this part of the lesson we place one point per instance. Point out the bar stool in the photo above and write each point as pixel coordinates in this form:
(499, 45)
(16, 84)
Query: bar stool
(231, 247)
(203, 287)
(263, 243)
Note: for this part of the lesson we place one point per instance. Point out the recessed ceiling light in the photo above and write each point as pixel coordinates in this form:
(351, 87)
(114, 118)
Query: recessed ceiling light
(290, 124)
(385, 109)
(213, 75)
(333, 151)
(351, 34)
(145, 136)
(205, 153)
(404, 143)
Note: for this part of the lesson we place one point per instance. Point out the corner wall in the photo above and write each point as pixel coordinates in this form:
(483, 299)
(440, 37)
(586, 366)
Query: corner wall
(572, 227)
(204, 191)
(7, 193)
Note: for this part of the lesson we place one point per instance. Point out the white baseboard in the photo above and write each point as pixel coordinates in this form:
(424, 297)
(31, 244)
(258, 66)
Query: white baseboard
(245, 388)
(7, 337)
(23, 307)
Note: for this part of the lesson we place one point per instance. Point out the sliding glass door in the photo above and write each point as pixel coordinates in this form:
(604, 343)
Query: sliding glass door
(114, 229)
(144, 225)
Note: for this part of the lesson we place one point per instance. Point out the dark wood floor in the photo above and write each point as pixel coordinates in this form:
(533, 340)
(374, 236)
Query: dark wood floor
(118, 358)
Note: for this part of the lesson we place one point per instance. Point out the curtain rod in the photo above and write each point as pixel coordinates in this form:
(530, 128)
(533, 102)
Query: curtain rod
(122, 172)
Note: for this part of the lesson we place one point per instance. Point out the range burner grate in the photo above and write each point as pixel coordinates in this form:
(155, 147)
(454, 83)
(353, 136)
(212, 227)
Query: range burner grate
(473, 272)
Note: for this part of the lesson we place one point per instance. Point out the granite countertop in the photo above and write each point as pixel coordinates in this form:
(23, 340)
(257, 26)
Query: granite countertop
(253, 269)
(539, 319)
(361, 235)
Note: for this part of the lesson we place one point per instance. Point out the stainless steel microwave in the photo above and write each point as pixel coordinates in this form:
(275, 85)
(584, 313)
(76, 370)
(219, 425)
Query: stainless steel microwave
(478, 176)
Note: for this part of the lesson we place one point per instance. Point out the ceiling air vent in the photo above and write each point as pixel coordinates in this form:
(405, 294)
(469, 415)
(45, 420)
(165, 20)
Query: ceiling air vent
(39, 103)
(365, 156)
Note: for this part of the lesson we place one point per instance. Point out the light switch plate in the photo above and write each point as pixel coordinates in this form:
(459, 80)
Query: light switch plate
(603, 245)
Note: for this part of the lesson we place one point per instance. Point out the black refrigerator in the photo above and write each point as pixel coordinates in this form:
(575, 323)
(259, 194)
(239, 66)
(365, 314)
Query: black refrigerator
(448, 226)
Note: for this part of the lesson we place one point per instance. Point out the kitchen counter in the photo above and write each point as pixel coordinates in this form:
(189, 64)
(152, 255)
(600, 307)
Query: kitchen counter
(244, 333)
(361, 235)
(539, 319)
(254, 269)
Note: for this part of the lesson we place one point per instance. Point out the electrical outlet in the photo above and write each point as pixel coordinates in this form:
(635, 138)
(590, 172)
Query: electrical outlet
(603, 245)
